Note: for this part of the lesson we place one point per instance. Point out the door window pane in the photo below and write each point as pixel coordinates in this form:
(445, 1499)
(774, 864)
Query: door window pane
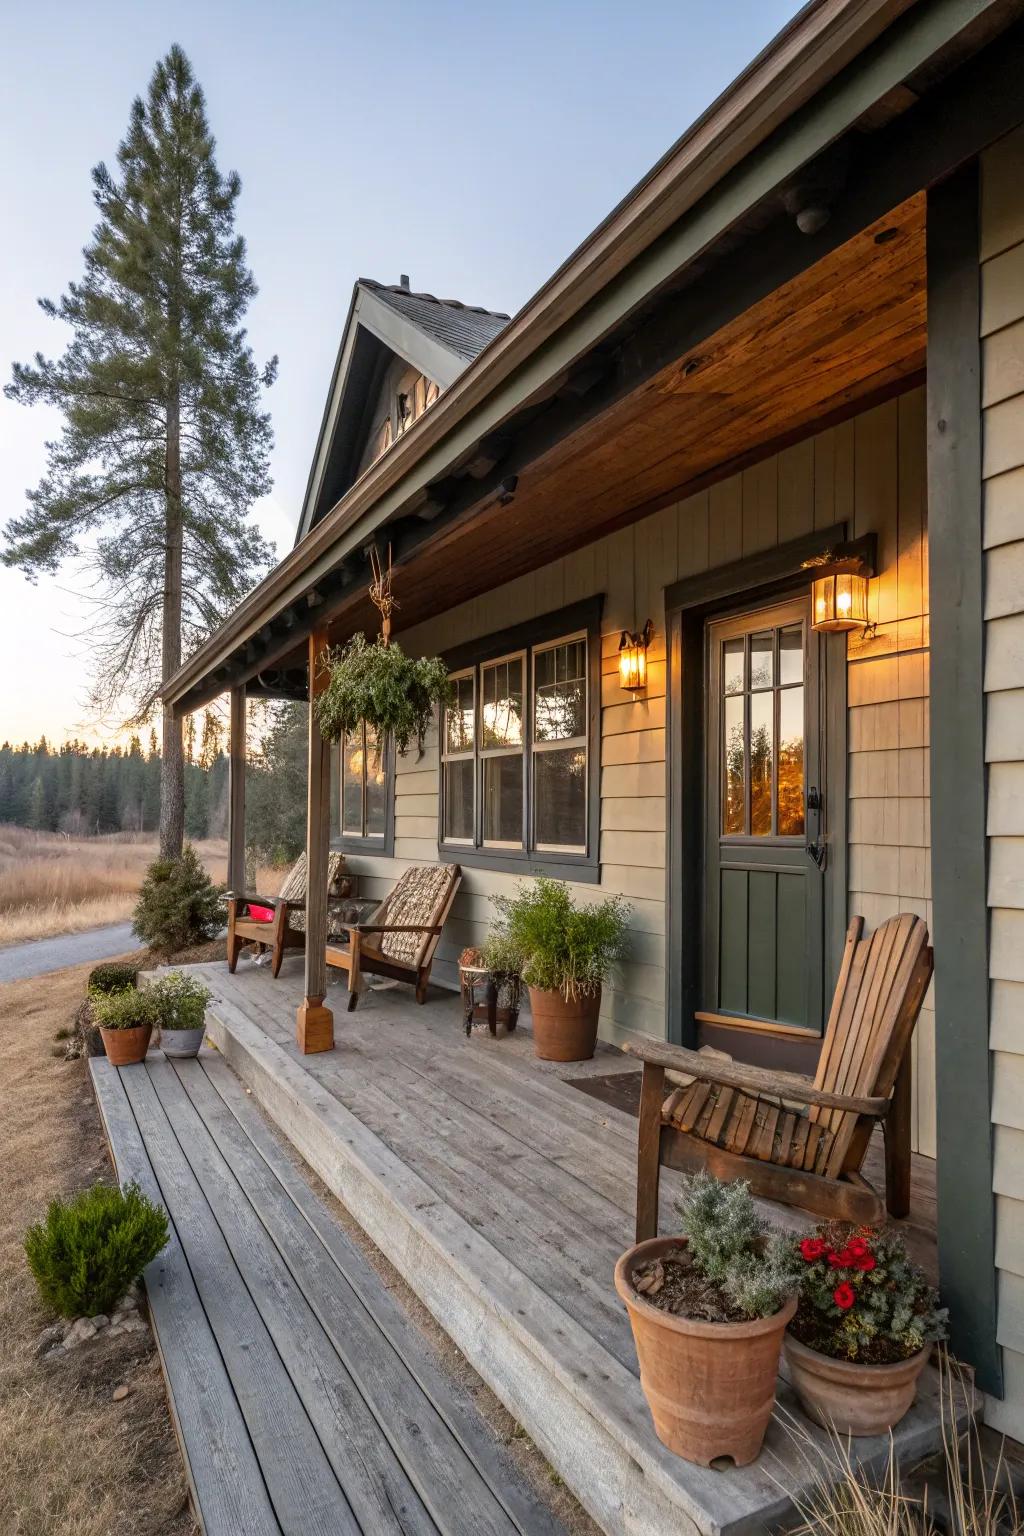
(459, 717)
(503, 799)
(791, 655)
(732, 666)
(733, 789)
(791, 763)
(761, 757)
(560, 692)
(560, 798)
(761, 658)
(458, 799)
(502, 711)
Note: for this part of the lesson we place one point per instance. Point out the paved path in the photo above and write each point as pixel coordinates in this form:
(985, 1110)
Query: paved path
(41, 955)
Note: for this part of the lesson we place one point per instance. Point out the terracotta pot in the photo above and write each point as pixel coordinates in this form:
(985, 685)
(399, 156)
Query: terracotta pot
(125, 1046)
(854, 1399)
(182, 1042)
(710, 1386)
(564, 1031)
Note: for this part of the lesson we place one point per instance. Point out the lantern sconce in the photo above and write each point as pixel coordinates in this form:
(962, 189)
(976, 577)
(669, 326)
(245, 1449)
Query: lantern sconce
(839, 587)
(633, 658)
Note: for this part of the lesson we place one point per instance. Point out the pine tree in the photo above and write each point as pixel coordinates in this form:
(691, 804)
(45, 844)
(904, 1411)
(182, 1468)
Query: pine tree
(164, 446)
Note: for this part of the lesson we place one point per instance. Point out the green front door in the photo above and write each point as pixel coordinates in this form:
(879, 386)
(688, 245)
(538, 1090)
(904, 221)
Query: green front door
(765, 854)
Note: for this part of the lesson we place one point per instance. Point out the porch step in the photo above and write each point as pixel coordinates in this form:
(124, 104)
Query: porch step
(575, 1389)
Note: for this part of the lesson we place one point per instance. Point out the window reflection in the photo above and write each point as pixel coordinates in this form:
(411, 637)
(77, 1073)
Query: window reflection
(763, 733)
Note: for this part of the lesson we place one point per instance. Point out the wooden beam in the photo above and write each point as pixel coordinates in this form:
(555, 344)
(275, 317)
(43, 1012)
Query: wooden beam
(236, 792)
(966, 1204)
(314, 1023)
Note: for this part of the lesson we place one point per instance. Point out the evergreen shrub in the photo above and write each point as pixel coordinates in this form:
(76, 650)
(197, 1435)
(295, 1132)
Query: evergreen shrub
(178, 905)
(90, 1249)
(113, 977)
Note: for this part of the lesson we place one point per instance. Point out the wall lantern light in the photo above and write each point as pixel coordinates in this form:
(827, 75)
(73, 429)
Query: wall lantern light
(633, 658)
(839, 587)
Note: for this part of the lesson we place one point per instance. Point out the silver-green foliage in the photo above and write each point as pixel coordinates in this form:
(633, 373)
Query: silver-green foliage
(565, 948)
(754, 1265)
(181, 1001)
(378, 683)
(89, 1249)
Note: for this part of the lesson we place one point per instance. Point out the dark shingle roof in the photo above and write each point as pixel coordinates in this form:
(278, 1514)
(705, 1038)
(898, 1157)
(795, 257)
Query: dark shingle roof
(464, 329)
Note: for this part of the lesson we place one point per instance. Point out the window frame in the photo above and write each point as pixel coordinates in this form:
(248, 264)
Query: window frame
(380, 843)
(580, 621)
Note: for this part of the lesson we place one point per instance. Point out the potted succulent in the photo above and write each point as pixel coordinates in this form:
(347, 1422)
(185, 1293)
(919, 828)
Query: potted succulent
(126, 1022)
(183, 1002)
(863, 1329)
(708, 1311)
(567, 951)
(375, 681)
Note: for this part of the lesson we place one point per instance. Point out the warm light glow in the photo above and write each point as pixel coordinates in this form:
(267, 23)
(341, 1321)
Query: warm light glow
(840, 602)
(633, 659)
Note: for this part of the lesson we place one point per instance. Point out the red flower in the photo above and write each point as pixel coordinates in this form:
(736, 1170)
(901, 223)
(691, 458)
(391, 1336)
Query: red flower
(842, 1259)
(813, 1248)
(857, 1248)
(844, 1296)
(867, 1263)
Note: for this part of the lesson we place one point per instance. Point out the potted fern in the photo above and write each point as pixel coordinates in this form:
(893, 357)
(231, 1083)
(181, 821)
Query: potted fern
(863, 1330)
(567, 951)
(375, 681)
(708, 1311)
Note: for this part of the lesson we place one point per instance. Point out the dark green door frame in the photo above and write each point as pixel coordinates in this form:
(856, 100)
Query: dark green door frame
(960, 923)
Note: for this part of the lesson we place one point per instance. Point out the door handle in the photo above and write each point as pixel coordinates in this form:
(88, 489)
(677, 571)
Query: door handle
(817, 850)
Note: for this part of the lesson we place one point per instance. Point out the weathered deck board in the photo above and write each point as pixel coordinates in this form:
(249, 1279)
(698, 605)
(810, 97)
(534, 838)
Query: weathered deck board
(306, 1401)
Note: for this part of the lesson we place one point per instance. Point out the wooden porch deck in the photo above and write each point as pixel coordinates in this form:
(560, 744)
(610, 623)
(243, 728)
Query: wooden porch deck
(504, 1195)
(306, 1402)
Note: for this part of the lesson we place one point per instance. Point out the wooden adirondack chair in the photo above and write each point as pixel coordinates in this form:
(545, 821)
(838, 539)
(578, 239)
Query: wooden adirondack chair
(798, 1141)
(288, 929)
(400, 938)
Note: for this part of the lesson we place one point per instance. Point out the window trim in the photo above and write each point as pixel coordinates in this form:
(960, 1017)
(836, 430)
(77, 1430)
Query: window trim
(578, 621)
(382, 844)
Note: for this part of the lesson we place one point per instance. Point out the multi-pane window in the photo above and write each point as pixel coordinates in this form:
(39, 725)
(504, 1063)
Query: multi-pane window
(763, 733)
(514, 752)
(364, 785)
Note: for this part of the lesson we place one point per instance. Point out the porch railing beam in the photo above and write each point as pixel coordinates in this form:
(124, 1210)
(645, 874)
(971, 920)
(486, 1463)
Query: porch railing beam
(315, 1023)
(236, 792)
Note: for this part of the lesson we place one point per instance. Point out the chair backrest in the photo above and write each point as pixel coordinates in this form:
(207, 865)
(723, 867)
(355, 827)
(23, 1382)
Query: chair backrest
(294, 887)
(423, 894)
(881, 986)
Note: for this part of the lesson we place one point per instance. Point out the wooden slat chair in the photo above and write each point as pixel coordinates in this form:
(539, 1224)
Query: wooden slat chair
(798, 1141)
(288, 929)
(400, 938)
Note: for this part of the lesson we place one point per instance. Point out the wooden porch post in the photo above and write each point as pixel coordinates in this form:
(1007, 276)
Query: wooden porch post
(236, 792)
(314, 1024)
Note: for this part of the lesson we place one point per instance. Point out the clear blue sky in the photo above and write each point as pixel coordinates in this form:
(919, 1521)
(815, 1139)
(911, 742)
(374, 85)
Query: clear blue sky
(470, 146)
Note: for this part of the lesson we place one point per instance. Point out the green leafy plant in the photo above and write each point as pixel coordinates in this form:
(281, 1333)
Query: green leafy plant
(89, 1249)
(378, 683)
(131, 1008)
(178, 905)
(181, 1000)
(113, 977)
(753, 1264)
(564, 947)
(501, 954)
(861, 1298)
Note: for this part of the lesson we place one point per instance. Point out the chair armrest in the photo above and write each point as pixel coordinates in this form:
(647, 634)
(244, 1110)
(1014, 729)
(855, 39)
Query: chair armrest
(394, 927)
(755, 1080)
(251, 896)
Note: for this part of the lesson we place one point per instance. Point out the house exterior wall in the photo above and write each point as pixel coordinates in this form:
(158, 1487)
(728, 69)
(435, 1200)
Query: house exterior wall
(869, 471)
(1002, 330)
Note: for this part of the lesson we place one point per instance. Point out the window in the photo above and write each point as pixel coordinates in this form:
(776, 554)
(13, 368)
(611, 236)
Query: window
(763, 733)
(365, 787)
(518, 749)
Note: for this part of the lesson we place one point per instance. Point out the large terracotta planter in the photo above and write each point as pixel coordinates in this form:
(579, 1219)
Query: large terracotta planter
(710, 1386)
(564, 1031)
(852, 1399)
(125, 1046)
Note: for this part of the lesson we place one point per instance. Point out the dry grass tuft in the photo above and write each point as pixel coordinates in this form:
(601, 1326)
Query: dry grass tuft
(51, 884)
(72, 1462)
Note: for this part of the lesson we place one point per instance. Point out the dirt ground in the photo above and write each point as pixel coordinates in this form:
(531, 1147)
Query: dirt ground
(72, 1461)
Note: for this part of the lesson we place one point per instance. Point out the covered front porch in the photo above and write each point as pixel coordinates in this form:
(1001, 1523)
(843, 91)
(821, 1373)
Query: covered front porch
(502, 1189)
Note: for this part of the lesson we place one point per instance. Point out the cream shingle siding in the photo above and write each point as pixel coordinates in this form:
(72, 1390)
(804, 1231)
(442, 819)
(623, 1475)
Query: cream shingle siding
(1002, 330)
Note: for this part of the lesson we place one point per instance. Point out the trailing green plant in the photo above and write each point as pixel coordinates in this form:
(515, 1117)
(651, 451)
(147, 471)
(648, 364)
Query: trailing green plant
(861, 1298)
(115, 976)
(131, 1008)
(178, 905)
(378, 683)
(90, 1249)
(754, 1265)
(501, 954)
(181, 1000)
(564, 947)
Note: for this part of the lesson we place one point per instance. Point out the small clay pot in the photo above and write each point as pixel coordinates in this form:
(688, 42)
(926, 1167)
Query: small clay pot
(126, 1046)
(710, 1386)
(564, 1030)
(853, 1399)
(182, 1042)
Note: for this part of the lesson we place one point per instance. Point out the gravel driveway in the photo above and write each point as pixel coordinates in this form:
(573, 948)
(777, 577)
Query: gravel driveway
(41, 955)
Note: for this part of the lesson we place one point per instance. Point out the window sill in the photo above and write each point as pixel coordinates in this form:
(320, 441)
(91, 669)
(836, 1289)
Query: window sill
(580, 868)
(383, 847)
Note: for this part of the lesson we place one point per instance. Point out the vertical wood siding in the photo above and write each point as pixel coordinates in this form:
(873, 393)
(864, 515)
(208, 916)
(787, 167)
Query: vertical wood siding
(870, 471)
(1002, 330)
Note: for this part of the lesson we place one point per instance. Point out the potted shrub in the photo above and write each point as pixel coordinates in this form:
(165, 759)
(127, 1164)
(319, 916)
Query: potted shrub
(126, 1020)
(376, 682)
(708, 1310)
(863, 1329)
(567, 951)
(183, 1002)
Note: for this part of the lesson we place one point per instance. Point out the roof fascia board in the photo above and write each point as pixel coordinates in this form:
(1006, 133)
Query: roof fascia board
(485, 395)
(339, 378)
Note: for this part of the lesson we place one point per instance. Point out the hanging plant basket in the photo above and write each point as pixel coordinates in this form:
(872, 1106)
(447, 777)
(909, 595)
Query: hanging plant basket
(378, 683)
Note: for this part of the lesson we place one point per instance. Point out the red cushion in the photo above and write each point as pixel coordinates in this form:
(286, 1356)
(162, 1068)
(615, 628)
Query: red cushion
(261, 914)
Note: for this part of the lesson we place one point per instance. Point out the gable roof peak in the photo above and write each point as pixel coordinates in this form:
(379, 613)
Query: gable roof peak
(403, 290)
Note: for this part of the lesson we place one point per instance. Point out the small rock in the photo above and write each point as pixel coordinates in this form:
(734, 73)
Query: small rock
(55, 1353)
(119, 1394)
(101, 1320)
(48, 1338)
(79, 1332)
(134, 1324)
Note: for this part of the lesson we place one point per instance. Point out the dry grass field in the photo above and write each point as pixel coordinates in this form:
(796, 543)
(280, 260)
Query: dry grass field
(51, 884)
